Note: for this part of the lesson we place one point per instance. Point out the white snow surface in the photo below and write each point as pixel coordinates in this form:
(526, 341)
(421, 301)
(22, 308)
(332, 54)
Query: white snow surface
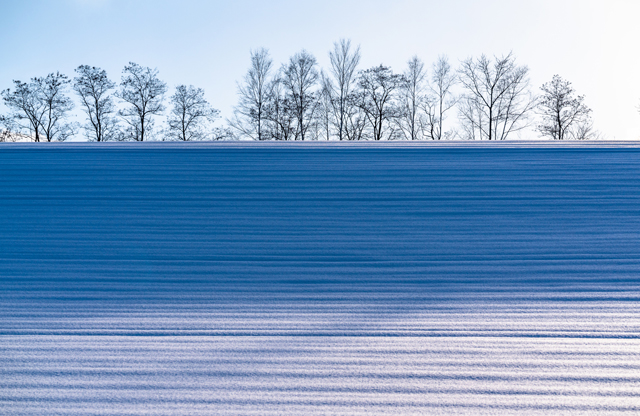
(270, 280)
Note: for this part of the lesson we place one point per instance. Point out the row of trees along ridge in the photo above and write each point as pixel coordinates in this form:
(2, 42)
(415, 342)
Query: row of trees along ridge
(491, 99)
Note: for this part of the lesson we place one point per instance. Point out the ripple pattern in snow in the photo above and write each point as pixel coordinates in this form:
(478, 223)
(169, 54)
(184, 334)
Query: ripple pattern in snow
(317, 280)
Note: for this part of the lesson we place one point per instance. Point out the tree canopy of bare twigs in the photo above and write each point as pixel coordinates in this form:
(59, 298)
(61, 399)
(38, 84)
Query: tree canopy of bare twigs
(57, 105)
(249, 115)
(440, 99)
(344, 63)
(191, 117)
(411, 121)
(498, 101)
(144, 92)
(378, 89)
(26, 108)
(40, 108)
(564, 115)
(279, 111)
(300, 78)
(94, 89)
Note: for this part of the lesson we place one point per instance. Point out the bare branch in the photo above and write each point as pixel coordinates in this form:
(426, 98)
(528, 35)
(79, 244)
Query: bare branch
(498, 101)
(249, 115)
(564, 115)
(191, 117)
(144, 92)
(94, 89)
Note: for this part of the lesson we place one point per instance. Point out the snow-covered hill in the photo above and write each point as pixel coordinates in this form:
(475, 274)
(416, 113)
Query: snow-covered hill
(264, 280)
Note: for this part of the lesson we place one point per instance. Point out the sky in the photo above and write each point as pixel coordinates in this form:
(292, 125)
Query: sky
(207, 43)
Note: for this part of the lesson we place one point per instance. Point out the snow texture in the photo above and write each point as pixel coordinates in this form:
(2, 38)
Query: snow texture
(274, 280)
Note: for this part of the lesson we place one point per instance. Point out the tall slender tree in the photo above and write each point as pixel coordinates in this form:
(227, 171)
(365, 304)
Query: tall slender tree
(440, 99)
(144, 92)
(344, 63)
(300, 78)
(412, 96)
(249, 115)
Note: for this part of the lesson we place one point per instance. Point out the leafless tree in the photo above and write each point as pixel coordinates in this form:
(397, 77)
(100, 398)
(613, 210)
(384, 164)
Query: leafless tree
(564, 115)
(249, 114)
(300, 78)
(344, 62)
(27, 109)
(412, 97)
(144, 92)
(57, 106)
(40, 108)
(440, 99)
(191, 117)
(497, 101)
(94, 88)
(279, 112)
(378, 88)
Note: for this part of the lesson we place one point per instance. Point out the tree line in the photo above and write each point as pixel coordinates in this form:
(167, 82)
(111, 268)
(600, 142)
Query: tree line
(40, 109)
(491, 98)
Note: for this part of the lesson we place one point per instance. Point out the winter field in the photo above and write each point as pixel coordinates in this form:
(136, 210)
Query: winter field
(319, 279)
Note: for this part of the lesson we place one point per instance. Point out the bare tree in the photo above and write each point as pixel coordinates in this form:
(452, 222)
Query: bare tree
(412, 96)
(94, 88)
(279, 112)
(440, 99)
(378, 87)
(144, 92)
(26, 107)
(498, 100)
(344, 62)
(40, 108)
(299, 79)
(57, 105)
(564, 115)
(191, 116)
(249, 114)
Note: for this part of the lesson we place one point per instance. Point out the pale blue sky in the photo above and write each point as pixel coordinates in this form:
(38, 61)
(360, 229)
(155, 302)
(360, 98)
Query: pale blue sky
(593, 43)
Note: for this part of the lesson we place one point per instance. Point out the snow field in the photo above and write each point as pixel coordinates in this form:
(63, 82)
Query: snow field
(245, 280)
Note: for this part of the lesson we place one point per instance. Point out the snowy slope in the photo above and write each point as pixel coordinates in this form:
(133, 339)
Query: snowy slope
(319, 280)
